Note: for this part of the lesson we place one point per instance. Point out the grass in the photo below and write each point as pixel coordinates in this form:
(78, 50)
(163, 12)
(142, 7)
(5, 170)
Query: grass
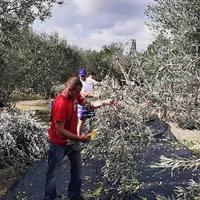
(32, 105)
(39, 106)
(25, 97)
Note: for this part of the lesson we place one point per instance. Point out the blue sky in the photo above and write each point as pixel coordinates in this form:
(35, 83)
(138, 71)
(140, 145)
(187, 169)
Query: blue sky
(90, 24)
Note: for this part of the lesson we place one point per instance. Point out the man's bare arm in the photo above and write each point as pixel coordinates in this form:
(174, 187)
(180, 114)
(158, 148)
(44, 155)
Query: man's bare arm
(86, 94)
(62, 131)
(98, 104)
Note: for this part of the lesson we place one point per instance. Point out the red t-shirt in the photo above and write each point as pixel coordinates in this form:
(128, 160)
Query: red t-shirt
(65, 110)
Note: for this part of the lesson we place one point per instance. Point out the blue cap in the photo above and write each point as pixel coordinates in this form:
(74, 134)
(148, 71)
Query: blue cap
(82, 72)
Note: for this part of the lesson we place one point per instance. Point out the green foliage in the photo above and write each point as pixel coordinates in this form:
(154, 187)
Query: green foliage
(35, 63)
(119, 131)
(94, 194)
(194, 146)
(193, 187)
(15, 18)
(166, 79)
(171, 68)
(192, 190)
(101, 62)
(178, 163)
(46, 60)
(22, 138)
(180, 18)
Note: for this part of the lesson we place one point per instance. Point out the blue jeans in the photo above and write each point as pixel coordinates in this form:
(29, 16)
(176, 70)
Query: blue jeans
(55, 158)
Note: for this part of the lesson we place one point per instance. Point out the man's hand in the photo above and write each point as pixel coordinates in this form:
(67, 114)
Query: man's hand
(85, 138)
(98, 104)
(107, 102)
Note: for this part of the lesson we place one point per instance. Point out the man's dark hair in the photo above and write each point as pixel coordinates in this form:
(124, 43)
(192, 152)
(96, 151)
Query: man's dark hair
(92, 74)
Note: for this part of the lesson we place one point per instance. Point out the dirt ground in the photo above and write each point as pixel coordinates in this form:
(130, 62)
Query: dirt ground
(185, 134)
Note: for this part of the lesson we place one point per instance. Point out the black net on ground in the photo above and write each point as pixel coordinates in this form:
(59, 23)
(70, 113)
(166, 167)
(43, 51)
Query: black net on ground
(154, 181)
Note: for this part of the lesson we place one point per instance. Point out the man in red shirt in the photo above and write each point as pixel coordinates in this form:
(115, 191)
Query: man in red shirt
(64, 128)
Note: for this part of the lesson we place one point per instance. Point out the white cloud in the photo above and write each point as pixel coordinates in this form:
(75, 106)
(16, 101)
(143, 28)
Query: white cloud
(91, 7)
(121, 31)
(87, 7)
(94, 23)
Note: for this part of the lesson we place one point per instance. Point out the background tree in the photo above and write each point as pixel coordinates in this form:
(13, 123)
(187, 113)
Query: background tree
(169, 69)
(45, 60)
(15, 16)
(179, 54)
(101, 61)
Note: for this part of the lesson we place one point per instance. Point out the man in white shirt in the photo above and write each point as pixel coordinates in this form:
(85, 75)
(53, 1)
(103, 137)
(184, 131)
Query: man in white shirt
(88, 84)
(87, 91)
(91, 81)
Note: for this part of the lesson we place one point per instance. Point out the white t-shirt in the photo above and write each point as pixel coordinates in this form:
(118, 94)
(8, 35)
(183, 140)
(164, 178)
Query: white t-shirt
(88, 85)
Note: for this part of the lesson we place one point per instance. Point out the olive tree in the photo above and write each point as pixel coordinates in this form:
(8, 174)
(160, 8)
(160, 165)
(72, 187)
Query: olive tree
(178, 21)
(15, 16)
(120, 129)
(45, 60)
(170, 66)
(163, 81)
(101, 62)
